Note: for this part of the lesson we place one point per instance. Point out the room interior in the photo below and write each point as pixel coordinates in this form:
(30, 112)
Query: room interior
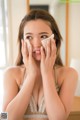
(67, 15)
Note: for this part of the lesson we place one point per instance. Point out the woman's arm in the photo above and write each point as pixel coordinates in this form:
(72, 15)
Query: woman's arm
(58, 106)
(16, 102)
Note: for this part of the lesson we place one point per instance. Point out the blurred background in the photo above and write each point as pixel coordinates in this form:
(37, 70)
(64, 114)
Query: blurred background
(65, 12)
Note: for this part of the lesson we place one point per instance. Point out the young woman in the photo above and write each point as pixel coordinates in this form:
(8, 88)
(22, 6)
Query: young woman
(39, 87)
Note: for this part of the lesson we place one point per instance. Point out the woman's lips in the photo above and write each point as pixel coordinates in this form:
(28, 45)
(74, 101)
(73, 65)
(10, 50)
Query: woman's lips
(37, 51)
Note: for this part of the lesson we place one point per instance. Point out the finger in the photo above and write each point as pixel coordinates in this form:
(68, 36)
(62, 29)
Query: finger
(28, 44)
(22, 49)
(42, 54)
(24, 53)
(53, 58)
(29, 49)
(30, 52)
(48, 49)
(25, 49)
(53, 48)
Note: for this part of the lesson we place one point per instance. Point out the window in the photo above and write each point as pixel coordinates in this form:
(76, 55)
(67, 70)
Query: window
(3, 44)
(3, 33)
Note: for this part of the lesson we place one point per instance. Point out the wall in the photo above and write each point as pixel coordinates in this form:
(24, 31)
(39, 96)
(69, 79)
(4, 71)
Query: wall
(74, 31)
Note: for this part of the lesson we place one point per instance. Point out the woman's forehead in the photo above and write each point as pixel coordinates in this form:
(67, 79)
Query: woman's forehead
(37, 26)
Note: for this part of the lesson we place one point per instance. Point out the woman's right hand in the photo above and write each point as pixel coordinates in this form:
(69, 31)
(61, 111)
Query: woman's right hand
(29, 62)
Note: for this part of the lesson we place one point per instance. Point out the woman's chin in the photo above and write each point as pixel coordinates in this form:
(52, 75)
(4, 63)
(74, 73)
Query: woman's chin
(37, 58)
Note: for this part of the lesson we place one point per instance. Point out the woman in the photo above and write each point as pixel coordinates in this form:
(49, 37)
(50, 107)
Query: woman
(39, 87)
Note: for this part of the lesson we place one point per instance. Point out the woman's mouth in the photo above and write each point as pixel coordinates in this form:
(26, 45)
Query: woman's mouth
(37, 51)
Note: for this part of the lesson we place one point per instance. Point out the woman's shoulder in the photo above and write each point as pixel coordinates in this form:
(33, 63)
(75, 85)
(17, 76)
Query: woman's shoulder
(67, 73)
(14, 73)
(14, 70)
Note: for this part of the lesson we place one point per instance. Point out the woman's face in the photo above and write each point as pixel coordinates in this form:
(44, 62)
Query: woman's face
(35, 31)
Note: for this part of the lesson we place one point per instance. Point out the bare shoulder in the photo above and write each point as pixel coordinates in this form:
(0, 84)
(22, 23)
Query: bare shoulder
(67, 74)
(13, 73)
(11, 80)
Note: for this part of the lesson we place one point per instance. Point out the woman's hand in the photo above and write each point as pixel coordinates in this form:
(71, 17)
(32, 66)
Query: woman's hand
(48, 59)
(28, 60)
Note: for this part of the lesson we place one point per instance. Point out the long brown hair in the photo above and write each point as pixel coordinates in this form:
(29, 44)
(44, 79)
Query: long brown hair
(44, 15)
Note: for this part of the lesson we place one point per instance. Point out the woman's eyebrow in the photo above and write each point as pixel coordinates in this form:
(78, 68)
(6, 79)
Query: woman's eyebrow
(44, 33)
(28, 33)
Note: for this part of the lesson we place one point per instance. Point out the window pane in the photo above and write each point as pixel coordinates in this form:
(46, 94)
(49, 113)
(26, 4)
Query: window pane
(3, 33)
(2, 54)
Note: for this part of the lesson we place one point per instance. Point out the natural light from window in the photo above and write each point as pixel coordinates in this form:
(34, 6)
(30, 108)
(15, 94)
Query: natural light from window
(3, 44)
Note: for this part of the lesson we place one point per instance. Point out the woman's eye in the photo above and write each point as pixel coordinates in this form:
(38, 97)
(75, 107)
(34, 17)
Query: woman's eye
(29, 38)
(44, 37)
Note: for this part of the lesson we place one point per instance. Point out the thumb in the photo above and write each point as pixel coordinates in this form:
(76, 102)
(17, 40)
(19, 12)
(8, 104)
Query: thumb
(29, 48)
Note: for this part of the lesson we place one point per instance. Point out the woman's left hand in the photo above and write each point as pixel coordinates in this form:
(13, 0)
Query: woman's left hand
(48, 59)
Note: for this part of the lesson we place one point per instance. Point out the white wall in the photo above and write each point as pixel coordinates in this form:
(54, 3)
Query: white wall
(74, 31)
(41, 1)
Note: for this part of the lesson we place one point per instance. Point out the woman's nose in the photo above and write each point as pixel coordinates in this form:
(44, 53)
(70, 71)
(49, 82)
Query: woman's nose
(36, 42)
